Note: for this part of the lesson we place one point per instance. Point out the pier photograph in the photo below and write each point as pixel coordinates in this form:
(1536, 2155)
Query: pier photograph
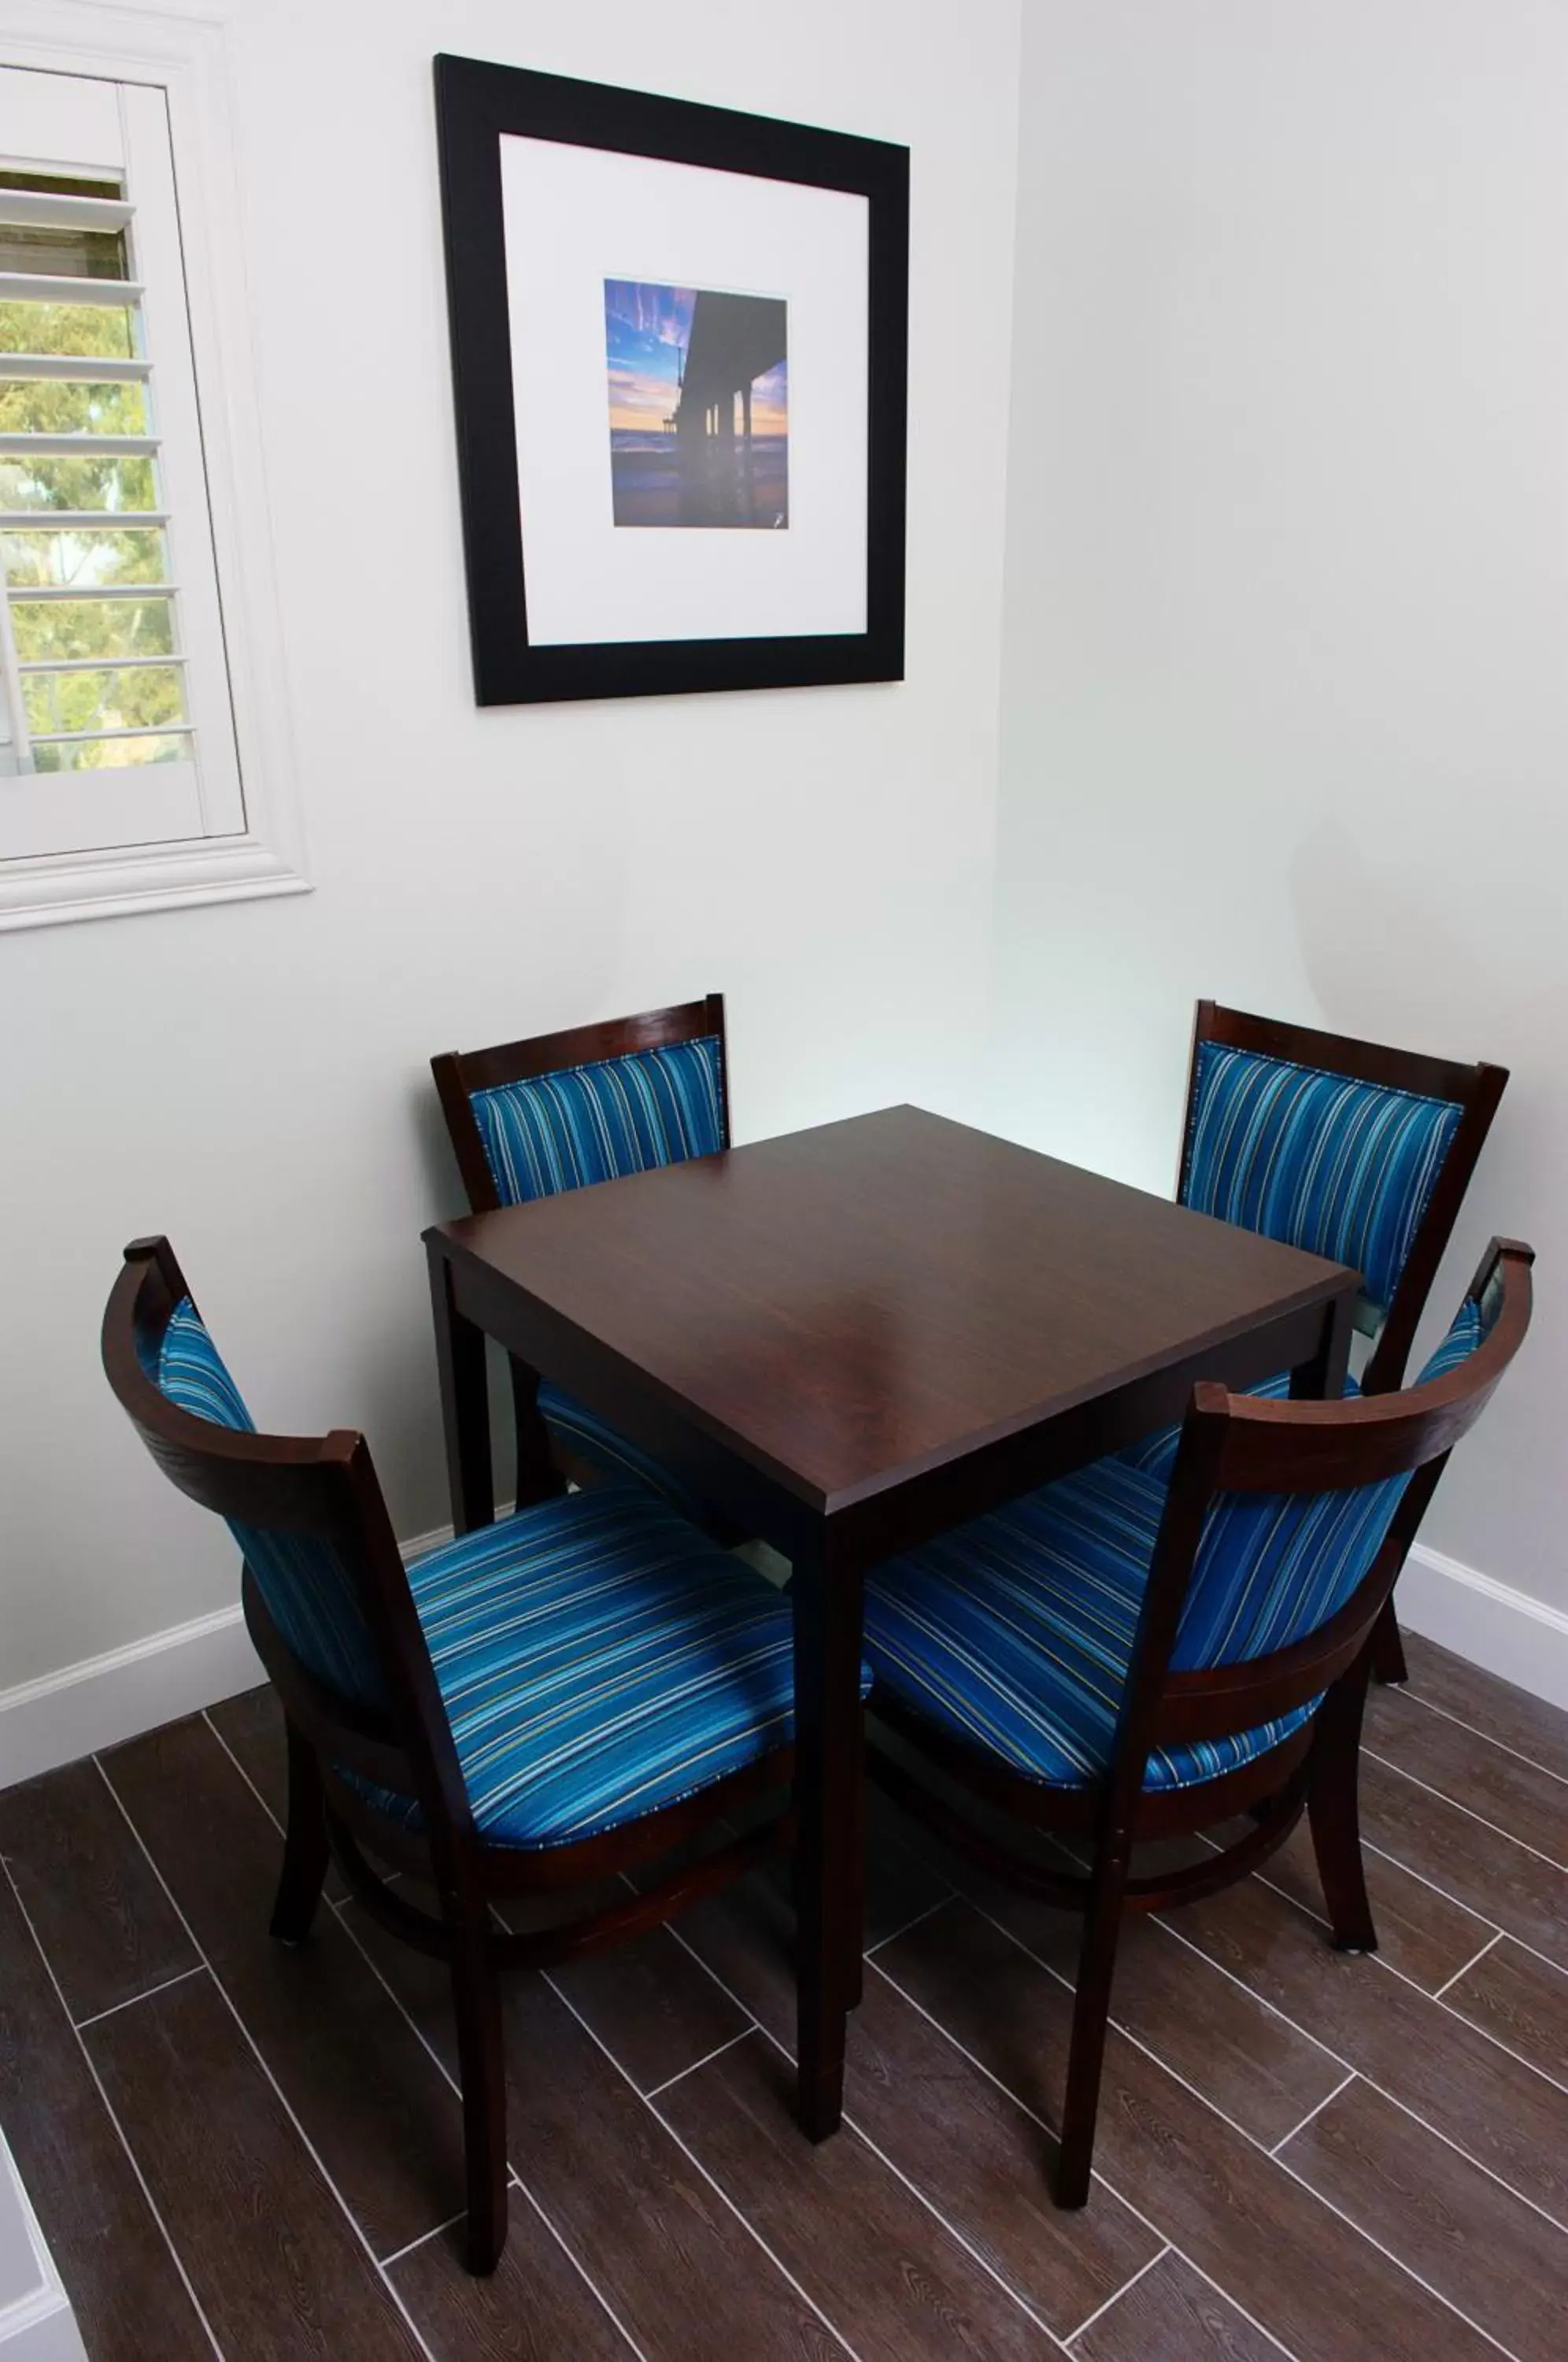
(698, 406)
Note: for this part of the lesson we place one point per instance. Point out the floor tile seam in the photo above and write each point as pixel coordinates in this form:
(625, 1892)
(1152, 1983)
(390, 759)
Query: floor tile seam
(1117, 2294)
(410, 2246)
(130, 2000)
(517, 2180)
(1449, 1983)
(356, 2228)
(1167, 1920)
(1302, 2183)
(1461, 2018)
(1398, 2261)
(1480, 1819)
(1313, 2114)
(1168, 1927)
(1439, 1997)
(338, 1903)
(1203, 2100)
(893, 1934)
(579, 2268)
(1488, 1738)
(658, 2090)
(113, 2114)
(1558, 2223)
(245, 1775)
(1360, 2072)
(1369, 1845)
(916, 2192)
(1383, 1854)
(1190, 1943)
(1032, 2113)
(717, 2186)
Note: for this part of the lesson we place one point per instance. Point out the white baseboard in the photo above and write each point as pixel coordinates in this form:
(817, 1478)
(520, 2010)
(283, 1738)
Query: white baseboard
(96, 1704)
(103, 1699)
(36, 2324)
(1522, 1639)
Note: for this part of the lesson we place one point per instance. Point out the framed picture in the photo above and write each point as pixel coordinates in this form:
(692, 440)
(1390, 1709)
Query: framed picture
(679, 352)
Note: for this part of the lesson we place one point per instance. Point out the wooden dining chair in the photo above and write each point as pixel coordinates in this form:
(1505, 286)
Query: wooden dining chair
(1346, 1148)
(564, 1112)
(537, 1706)
(1116, 1658)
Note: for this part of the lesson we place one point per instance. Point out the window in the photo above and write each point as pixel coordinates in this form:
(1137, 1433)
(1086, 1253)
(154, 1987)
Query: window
(121, 773)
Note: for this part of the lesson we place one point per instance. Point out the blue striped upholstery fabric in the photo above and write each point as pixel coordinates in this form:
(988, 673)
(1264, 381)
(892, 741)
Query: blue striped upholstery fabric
(593, 1123)
(1341, 1168)
(1014, 1633)
(308, 1590)
(584, 1433)
(598, 1659)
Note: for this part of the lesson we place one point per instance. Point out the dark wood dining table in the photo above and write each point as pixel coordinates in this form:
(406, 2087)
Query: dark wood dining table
(847, 1339)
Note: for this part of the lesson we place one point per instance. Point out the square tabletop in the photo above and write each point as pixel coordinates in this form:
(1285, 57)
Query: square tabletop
(853, 1307)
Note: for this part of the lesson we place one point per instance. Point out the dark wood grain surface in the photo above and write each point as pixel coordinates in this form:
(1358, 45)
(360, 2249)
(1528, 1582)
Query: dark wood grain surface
(1467, 2237)
(1465, 2087)
(216, 2147)
(538, 2307)
(1438, 1838)
(846, 1340)
(1421, 1932)
(64, 1836)
(887, 2271)
(1409, 2212)
(378, 2113)
(1509, 1717)
(1521, 2001)
(966, 2147)
(851, 1305)
(119, 2271)
(1303, 2270)
(1173, 2315)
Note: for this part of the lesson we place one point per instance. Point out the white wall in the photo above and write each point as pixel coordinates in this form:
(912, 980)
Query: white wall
(252, 1079)
(1286, 671)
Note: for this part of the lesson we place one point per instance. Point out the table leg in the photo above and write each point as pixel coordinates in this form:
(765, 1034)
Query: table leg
(1322, 1379)
(465, 1403)
(830, 1865)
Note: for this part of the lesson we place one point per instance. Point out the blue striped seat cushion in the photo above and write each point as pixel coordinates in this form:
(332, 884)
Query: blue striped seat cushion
(308, 1590)
(583, 1124)
(598, 1659)
(1155, 1454)
(1343, 1169)
(1014, 1633)
(584, 1434)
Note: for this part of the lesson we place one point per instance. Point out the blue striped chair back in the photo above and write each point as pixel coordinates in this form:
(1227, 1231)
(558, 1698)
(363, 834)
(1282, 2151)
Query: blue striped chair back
(310, 1593)
(1272, 1567)
(1341, 1168)
(564, 1131)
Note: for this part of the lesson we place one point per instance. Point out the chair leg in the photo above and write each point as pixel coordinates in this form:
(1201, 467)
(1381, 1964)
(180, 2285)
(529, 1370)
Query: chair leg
(305, 1849)
(481, 2066)
(1333, 1809)
(1388, 1647)
(1091, 2009)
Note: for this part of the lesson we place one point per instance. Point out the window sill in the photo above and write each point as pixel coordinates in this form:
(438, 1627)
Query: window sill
(62, 889)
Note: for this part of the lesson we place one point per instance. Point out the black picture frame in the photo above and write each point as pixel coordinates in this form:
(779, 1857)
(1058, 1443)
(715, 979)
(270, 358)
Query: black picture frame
(476, 102)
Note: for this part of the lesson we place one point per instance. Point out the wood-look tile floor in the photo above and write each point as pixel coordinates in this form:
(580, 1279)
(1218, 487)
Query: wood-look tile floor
(242, 2150)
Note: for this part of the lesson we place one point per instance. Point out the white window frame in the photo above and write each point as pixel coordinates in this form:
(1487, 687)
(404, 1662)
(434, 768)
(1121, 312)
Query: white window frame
(185, 58)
